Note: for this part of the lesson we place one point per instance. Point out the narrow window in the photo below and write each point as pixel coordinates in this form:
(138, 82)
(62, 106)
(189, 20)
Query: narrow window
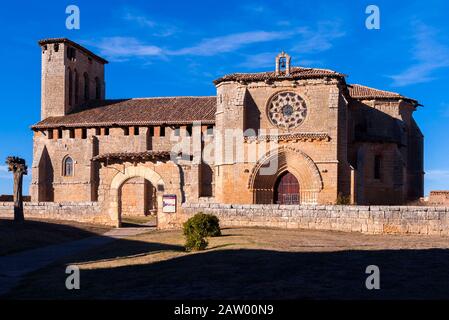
(67, 167)
(377, 167)
(97, 131)
(189, 131)
(70, 87)
(126, 131)
(59, 133)
(210, 130)
(86, 87)
(106, 131)
(162, 132)
(84, 133)
(77, 87)
(72, 133)
(50, 134)
(151, 131)
(56, 46)
(136, 131)
(97, 88)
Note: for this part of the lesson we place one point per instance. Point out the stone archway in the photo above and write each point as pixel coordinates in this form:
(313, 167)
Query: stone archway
(275, 163)
(133, 172)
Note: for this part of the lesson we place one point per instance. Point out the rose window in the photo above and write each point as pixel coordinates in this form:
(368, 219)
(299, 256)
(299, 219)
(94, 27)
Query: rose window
(287, 110)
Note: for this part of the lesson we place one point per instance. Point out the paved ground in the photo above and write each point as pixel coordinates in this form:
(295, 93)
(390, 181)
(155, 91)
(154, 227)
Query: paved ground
(14, 267)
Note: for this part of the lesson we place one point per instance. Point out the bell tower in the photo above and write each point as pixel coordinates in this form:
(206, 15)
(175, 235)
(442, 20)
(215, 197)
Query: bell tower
(71, 76)
(283, 63)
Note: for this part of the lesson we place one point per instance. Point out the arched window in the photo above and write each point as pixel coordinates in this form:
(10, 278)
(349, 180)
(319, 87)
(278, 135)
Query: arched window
(77, 87)
(97, 88)
(86, 87)
(70, 87)
(67, 167)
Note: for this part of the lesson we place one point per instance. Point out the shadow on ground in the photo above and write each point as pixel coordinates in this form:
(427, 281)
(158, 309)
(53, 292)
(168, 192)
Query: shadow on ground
(33, 234)
(248, 274)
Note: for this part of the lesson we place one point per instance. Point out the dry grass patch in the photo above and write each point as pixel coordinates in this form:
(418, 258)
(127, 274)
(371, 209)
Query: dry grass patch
(251, 263)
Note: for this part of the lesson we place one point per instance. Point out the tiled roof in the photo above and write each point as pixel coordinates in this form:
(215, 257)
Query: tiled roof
(73, 44)
(167, 111)
(133, 156)
(357, 91)
(149, 111)
(295, 74)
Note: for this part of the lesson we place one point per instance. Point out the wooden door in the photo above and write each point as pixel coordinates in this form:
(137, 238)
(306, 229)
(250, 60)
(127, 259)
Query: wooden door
(286, 189)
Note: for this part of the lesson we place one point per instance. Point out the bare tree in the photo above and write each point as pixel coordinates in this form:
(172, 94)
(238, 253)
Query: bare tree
(19, 168)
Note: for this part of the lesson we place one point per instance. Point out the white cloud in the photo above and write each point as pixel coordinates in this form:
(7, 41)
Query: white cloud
(320, 39)
(306, 40)
(142, 20)
(231, 42)
(158, 29)
(429, 55)
(437, 175)
(122, 48)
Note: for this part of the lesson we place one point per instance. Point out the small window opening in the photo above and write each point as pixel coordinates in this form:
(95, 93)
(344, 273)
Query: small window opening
(68, 167)
(377, 167)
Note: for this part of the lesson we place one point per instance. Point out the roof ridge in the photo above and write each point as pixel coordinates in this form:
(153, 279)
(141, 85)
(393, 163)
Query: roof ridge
(173, 97)
(364, 86)
(153, 98)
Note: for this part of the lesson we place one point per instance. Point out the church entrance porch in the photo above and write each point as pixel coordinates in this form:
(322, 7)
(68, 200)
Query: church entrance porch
(135, 184)
(292, 178)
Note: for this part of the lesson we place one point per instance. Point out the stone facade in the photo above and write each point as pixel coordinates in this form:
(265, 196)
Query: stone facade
(439, 198)
(337, 140)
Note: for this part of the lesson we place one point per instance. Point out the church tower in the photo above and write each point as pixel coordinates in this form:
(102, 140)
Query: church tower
(71, 76)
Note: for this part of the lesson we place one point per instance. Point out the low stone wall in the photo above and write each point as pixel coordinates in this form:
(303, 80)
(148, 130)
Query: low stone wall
(89, 212)
(365, 219)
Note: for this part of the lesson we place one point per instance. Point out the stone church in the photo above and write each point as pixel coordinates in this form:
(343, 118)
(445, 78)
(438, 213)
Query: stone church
(288, 136)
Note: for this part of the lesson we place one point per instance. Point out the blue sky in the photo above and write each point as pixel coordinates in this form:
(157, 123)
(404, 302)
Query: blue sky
(169, 48)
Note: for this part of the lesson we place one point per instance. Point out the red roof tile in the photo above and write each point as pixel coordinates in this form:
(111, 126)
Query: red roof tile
(149, 111)
(295, 74)
(357, 91)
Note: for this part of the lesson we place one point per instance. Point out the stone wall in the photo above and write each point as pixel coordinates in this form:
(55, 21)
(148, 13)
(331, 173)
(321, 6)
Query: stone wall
(88, 212)
(365, 219)
(439, 198)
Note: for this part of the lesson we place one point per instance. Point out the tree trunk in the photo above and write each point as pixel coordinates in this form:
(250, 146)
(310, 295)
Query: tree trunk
(18, 198)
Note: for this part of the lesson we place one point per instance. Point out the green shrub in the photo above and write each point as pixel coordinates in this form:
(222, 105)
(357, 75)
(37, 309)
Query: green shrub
(342, 200)
(197, 228)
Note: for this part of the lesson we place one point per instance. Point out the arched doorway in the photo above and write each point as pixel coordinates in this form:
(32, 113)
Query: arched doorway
(138, 203)
(286, 189)
(120, 180)
(285, 159)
